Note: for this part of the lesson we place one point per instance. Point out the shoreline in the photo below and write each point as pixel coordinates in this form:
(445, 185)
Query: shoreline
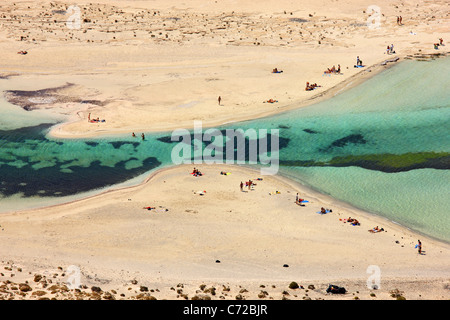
(57, 131)
(350, 206)
(104, 264)
(282, 177)
(167, 234)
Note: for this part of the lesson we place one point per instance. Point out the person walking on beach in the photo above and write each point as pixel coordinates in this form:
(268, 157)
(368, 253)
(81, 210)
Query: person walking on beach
(219, 99)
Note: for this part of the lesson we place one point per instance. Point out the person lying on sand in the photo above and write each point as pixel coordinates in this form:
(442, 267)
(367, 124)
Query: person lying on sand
(310, 87)
(149, 208)
(353, 221)
(376, 229)
(96, 120)
(333, 70)
(22, 52)
(271, 101)
(277, 71)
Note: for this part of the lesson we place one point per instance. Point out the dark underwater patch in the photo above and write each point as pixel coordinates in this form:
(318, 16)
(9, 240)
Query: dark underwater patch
(388, 163)
(350, 139)
(50, 181)
(91, 143)
(118, 144)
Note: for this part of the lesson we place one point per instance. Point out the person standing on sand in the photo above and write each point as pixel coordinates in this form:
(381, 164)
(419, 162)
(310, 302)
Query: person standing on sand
(89, 117)
(219, 99)
(242, 186)
(419, 247)
(296, 198)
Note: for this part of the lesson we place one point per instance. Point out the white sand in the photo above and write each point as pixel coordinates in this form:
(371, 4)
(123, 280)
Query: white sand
(252, 233)
(145, 83)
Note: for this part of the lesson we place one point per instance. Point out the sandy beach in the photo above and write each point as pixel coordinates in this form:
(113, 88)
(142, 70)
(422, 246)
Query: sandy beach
(205, 230)
(158, 66)
(146, 66)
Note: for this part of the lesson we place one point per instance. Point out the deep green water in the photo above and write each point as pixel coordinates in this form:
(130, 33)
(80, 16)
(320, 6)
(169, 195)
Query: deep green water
(383, 146)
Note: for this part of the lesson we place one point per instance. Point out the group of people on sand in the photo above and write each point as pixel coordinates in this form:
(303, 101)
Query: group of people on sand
(97, 120)
(196, 173)
(94, 120)
(390, 49)
(248, 184)
(400, 20)
(353, 222)
(312, 86)
(333, 70)
(441, 43)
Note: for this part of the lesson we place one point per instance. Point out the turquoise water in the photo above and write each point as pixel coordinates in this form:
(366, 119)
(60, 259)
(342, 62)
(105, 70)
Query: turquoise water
(381, 146)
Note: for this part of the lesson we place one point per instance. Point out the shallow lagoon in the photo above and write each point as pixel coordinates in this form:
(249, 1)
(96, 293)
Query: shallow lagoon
(382, 146)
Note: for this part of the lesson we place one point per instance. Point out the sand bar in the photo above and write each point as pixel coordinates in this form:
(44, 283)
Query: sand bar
(206, 230)
(163, 75)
